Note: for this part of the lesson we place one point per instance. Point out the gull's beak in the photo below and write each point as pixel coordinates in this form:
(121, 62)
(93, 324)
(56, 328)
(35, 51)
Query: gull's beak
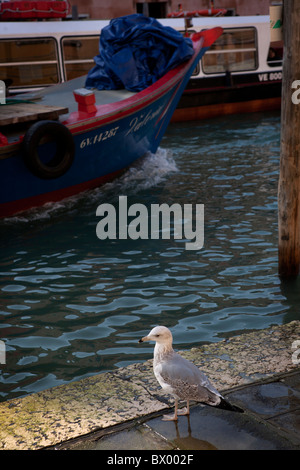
(146, 338)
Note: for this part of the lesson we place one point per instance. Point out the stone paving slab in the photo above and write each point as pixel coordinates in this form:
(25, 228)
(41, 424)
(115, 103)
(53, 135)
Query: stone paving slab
(99, 402)
(270, 422)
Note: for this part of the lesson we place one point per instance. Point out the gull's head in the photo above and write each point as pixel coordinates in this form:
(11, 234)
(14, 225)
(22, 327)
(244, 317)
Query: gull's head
(160, 334)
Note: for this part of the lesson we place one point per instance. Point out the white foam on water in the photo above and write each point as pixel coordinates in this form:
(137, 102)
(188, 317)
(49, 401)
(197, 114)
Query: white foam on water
(145, 173)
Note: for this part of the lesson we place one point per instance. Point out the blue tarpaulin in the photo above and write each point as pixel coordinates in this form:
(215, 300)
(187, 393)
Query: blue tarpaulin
(134, 52)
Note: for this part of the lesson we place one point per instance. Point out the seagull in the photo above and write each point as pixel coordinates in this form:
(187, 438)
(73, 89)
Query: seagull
(180, 377)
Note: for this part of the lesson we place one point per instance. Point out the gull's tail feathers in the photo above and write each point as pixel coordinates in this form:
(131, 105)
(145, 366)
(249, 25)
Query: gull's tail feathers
(225, 405)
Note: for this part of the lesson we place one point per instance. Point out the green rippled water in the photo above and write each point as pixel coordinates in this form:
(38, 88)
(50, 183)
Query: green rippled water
(73, 305)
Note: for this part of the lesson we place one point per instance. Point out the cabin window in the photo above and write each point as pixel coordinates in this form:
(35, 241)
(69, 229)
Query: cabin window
(29, 62)
(78, 55)
(153, 9)
(234, 51)
(275, 56)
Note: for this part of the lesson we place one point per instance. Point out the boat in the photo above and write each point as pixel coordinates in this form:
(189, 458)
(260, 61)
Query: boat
(34, 9)
(242, 72)
(65, 139)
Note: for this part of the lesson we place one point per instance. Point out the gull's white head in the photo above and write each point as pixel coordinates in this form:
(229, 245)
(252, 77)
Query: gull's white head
(160, 334)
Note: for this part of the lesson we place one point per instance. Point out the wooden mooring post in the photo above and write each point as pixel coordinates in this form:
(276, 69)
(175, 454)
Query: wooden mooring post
(289, 179)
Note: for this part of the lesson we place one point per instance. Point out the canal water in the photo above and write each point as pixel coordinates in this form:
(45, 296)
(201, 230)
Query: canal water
(73, 305)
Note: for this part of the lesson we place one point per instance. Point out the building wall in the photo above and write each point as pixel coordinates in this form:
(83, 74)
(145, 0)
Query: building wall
(107, 9)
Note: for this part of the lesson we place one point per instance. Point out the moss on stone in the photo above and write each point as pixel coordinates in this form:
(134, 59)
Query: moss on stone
(68, 411)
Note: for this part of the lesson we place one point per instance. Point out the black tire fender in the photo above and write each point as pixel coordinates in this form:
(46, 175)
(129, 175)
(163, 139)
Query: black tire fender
(61, 158)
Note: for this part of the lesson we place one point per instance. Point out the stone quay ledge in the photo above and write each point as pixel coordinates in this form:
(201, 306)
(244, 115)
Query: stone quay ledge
(99, 402)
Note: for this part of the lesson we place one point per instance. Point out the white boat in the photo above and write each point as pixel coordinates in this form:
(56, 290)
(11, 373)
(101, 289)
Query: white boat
(238, 74)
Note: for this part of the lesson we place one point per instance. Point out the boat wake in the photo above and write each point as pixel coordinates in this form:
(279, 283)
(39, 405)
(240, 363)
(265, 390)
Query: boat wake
(145, 173)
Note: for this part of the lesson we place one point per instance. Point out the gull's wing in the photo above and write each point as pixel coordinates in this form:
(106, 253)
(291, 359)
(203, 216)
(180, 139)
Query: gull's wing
(185, 380)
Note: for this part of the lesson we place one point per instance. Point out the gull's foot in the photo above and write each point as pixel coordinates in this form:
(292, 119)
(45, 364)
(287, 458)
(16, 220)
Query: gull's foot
(169, 417)
(183, 412)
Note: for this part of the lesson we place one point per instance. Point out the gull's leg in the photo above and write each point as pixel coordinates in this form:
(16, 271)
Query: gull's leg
(185, 411)
(174, 416)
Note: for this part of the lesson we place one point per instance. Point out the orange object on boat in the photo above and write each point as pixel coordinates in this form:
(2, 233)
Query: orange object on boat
(197, 13)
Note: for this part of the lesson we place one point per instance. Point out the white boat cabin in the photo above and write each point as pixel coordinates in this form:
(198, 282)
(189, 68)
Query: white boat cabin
(38, 54)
